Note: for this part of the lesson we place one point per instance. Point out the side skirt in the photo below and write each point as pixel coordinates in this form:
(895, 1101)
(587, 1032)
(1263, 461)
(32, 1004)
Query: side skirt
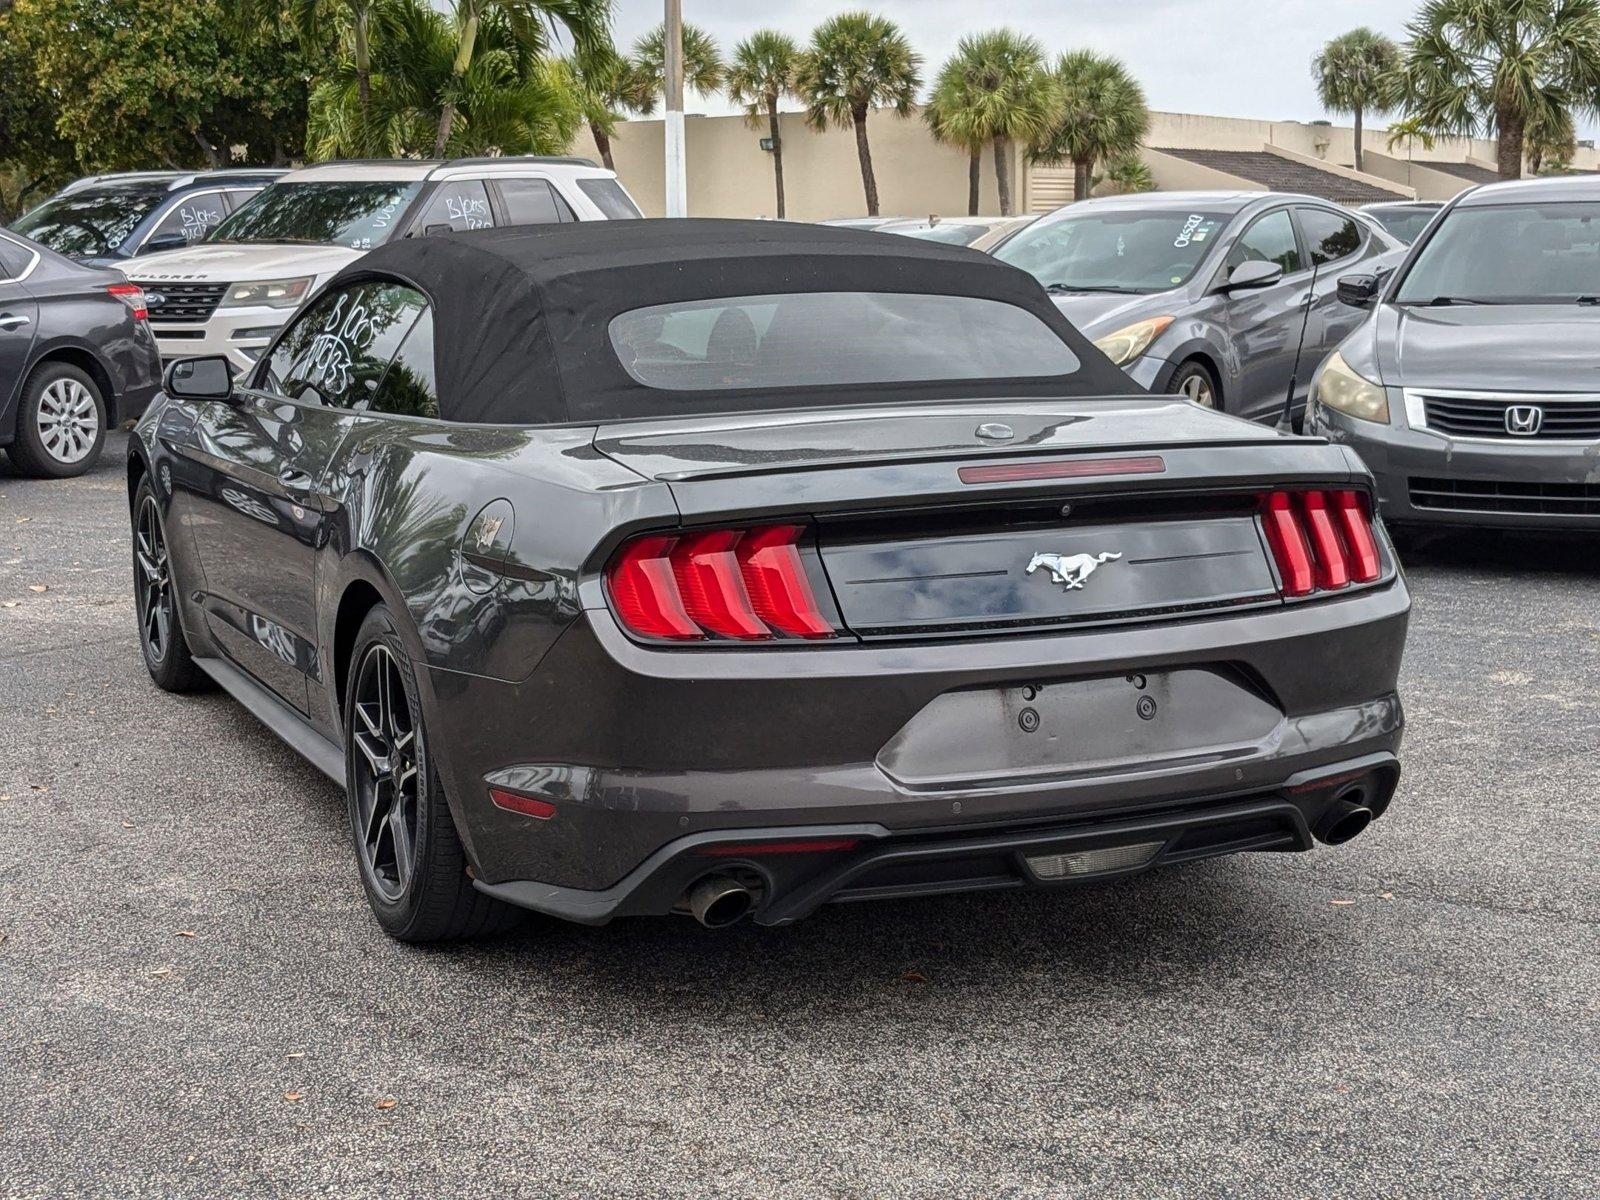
(277, 716)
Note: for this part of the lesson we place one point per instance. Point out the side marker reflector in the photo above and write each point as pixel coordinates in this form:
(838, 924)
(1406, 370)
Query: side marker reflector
(526, 805)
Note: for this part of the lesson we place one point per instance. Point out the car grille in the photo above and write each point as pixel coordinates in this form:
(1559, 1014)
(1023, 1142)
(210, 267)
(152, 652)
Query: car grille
(1505, 496)
(1485, 417)
(183, 301)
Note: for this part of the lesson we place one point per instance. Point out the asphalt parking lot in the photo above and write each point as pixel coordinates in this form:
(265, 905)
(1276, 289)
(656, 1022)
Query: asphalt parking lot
(194, 1002)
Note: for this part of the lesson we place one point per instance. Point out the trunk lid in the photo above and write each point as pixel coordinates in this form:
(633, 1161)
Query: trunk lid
(1148, 507)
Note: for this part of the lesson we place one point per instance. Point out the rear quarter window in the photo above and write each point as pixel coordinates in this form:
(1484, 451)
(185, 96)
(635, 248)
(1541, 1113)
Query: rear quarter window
(609, 198)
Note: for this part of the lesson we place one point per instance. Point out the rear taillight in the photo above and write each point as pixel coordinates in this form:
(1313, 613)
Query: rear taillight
(743, 585)
(1321, 541)
(132, 295)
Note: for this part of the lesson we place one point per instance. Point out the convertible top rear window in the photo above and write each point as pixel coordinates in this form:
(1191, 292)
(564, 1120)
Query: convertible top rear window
(832, 339)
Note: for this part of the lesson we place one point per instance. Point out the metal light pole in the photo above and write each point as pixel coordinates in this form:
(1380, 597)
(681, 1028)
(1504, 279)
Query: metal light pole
(677, 166)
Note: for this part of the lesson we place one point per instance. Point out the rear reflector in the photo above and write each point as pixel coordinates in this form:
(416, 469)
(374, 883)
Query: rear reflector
(526, 805)
(1075, 468)
(1321, 541)
(736, 584)
(807, 846)
(1093, 862)
(132, 295)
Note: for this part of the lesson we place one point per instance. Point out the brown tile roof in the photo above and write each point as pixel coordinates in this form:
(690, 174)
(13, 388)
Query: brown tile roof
(1285, 175)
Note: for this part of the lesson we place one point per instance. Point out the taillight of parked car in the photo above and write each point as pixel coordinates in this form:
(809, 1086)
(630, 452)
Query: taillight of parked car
(1321, 541)
(742, 585)
(132, 295)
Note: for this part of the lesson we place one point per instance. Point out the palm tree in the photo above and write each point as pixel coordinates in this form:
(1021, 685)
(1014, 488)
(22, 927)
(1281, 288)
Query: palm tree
(609, 87)
(761, 74)
(994, 89)
(509, 102)
(1128, 173)
(350, 21)
(1499, 66)
(1551, 142)
(1354, 73)
(702, 61)
(1102, 116)
(533, 24)
(856, 62)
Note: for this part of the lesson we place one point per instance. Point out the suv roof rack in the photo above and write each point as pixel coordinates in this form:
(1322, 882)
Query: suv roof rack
(227, 173)
(566, 160)
(77, 185)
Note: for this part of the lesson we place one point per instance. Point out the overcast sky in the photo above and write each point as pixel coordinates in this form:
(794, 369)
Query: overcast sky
(1230, 58)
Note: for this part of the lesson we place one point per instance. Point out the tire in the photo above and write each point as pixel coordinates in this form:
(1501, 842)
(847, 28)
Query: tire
(1194, 380)
(61, 423)
(155, 593)
(413, 866)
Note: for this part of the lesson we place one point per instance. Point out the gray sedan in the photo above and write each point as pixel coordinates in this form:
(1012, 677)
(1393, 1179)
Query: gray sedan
(1206, 293)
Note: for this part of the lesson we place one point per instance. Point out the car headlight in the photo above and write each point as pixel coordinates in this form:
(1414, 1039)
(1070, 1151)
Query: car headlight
(1340, 388)
(1127, 343)
(273, 293)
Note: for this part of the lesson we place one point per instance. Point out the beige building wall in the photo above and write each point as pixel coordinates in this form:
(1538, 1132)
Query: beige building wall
(730, 175)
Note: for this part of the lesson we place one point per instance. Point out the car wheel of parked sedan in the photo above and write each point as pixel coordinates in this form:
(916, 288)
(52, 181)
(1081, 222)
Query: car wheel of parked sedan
(61, 423)
(413, 866)
(1194, 381)
(166, 653)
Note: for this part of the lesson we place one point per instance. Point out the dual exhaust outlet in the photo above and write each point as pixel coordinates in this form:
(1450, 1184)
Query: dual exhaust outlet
(1347, 816)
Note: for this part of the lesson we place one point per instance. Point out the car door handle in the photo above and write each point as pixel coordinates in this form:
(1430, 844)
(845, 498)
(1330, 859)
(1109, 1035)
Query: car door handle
(9, 321)
(296, 481)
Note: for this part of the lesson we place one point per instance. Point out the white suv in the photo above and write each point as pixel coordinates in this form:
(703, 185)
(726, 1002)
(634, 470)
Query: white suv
(230, 293)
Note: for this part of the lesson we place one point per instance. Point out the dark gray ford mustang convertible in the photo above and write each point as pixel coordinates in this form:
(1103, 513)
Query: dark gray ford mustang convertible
(734, 568)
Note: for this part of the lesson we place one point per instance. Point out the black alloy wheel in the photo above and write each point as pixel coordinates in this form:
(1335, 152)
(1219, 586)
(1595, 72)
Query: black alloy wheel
(155, 599)
(386, 774)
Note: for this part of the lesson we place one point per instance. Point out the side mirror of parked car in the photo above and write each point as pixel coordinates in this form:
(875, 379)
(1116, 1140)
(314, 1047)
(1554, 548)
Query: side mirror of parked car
(165, 241)
(1358, 291)
(208, 378)
(1255, 274)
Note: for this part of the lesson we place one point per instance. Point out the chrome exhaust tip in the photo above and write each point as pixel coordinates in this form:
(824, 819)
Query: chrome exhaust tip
(719, 900)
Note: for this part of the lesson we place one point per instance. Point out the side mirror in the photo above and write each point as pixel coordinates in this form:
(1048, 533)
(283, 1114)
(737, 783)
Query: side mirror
(1256, 274)
(1358, 291)
(209, 378)
(165, 241)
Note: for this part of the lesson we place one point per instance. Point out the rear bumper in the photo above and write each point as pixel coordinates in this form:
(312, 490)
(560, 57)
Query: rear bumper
(1427, 478)
(877, 863)
(638, 748)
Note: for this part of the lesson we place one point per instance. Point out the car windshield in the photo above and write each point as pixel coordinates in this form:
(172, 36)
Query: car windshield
(92, 223)
(830, 339)
(1509, 254)
(947, 232)
(358, 215)
(1115, 251)
(1403, 223)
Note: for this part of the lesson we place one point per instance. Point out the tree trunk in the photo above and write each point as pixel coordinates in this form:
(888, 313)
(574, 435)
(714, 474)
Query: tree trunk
(1082, 178)
(1509, 128)
(869, 182)
(1002, 175)
(1358, 137)
(602, 143)
(974, 181)
(463, 63)
(777, 150)
(213, 157)
(363, 68)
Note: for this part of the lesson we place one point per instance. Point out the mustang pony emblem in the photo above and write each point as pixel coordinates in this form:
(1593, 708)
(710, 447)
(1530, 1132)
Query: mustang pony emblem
(1071, 570)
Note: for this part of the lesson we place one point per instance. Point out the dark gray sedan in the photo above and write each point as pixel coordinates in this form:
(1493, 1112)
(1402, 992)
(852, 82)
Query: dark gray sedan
(76, 357)
(1472, 390)
(732, 568)
(1205, 293)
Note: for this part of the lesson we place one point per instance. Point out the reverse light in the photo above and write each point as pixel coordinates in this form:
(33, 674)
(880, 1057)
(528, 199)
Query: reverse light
(1321, 541)
(1127, 343)
(1341, 389)
(132, 295)
(269, 293)
(745, 585)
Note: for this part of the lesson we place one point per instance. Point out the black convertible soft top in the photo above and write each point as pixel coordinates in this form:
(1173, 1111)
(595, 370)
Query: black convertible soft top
(521, 315)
